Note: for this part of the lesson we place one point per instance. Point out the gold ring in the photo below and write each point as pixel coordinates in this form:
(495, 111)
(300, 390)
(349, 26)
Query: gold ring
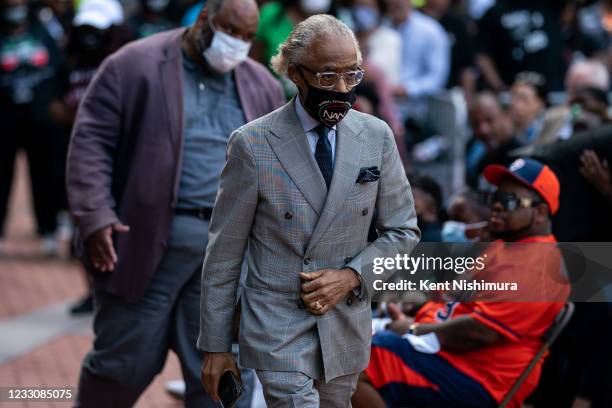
(318, 304)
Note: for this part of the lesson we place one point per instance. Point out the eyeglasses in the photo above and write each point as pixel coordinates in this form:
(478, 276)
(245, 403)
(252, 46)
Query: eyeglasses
(328, 80)
(509, 201)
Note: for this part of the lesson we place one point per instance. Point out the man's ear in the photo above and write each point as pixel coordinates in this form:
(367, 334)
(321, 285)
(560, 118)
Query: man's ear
(293, 74)
(542, 213)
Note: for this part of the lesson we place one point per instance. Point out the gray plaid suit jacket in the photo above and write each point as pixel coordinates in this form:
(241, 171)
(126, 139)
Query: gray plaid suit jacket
(273, 200)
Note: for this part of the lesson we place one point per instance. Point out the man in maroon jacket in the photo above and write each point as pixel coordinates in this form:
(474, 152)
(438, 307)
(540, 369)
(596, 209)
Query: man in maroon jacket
(146, 152)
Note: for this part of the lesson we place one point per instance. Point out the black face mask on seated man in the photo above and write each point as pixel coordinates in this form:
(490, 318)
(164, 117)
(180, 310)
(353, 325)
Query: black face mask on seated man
(90, 44)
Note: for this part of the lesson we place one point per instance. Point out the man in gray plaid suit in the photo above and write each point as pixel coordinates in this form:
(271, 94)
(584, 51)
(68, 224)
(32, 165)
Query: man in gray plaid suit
(299, 190)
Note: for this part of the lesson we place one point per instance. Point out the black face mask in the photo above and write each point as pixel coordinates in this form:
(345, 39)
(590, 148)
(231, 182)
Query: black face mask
(14, 15)
(329, 107)
(91, 41)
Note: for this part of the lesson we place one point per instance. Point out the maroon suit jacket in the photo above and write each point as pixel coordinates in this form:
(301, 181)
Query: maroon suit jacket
(124, 160)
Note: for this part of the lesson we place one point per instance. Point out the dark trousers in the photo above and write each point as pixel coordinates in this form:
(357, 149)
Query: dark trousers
(132, 340)
(37, 141)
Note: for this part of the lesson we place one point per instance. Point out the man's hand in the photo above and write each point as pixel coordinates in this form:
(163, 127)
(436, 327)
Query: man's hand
(101, 249)
(323, 289)
(596, 171)
(214, 366)
(400, 321)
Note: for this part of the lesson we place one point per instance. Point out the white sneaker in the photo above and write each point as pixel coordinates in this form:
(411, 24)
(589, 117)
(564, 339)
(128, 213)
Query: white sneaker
(176, 388)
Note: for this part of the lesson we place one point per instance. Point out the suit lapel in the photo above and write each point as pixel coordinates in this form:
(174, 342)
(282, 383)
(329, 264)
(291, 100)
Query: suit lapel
(289, 142)
(349, 144)
(172, 85)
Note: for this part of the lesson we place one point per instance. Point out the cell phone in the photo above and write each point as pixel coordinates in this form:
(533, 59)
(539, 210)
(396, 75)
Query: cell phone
(230, 389)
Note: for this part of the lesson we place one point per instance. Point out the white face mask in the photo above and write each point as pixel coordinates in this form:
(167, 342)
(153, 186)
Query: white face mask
(315, 6)
(225, 52)
(454, 231)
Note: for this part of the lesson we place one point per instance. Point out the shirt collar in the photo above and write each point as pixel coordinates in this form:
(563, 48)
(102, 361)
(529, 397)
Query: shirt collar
(308, 122)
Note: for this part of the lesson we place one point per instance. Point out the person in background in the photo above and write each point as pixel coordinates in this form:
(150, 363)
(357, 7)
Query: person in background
(467, 219)
(521, 35)
(150, 19)
(29, 64)
(589, 109)
(425, 64)
(425, 51)
(493, 137)
(90, 42)
(559, 120)
(477, 349)
(428, 206)
(597, 172)
(461, 39)
(147, 147)
(374, 93)
(528, 104)
(381, 45)
(120, 34)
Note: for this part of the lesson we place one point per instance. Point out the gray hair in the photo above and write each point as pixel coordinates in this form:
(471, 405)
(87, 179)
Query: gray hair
(302, 36)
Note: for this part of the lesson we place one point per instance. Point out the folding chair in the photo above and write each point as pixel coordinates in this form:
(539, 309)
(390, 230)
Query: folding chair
(549, 338)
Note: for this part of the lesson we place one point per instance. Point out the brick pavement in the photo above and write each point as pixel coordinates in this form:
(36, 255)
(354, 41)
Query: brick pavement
(29, 283)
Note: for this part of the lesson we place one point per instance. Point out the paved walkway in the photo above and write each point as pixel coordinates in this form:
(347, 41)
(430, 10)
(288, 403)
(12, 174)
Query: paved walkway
(40, 344)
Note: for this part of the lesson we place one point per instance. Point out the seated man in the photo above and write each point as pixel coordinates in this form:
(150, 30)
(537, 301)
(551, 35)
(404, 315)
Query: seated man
(469, 354)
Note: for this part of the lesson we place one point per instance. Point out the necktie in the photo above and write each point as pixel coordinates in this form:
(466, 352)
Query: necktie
(323, 154)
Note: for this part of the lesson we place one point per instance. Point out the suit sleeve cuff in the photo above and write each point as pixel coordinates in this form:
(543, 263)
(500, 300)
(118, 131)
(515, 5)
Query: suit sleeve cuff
(359, 290)
(93, 222)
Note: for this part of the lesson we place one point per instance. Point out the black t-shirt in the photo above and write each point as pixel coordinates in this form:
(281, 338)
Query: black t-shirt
(29, 63)
(524, 35)
(462, 46)
(73, 81)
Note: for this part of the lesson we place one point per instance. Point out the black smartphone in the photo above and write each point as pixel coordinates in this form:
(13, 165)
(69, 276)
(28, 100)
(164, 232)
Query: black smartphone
(230, 389)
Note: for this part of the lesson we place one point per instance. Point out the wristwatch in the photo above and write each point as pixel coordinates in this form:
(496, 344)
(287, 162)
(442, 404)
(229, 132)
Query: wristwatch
(412, 329)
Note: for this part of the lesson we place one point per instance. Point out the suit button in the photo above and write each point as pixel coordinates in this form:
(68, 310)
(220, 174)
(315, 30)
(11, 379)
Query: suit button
(365, 212)
(306, 261)
(288, 215)
(349, 301)
(347, 259)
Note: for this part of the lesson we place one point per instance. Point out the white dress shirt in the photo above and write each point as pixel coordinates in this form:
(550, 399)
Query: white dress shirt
(309, 124)
(425, 62)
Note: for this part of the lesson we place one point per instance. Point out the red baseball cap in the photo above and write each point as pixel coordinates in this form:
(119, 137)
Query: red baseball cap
(531, 173)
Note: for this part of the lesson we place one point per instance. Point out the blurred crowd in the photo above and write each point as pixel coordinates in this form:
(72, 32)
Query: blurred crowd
(462, 84)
